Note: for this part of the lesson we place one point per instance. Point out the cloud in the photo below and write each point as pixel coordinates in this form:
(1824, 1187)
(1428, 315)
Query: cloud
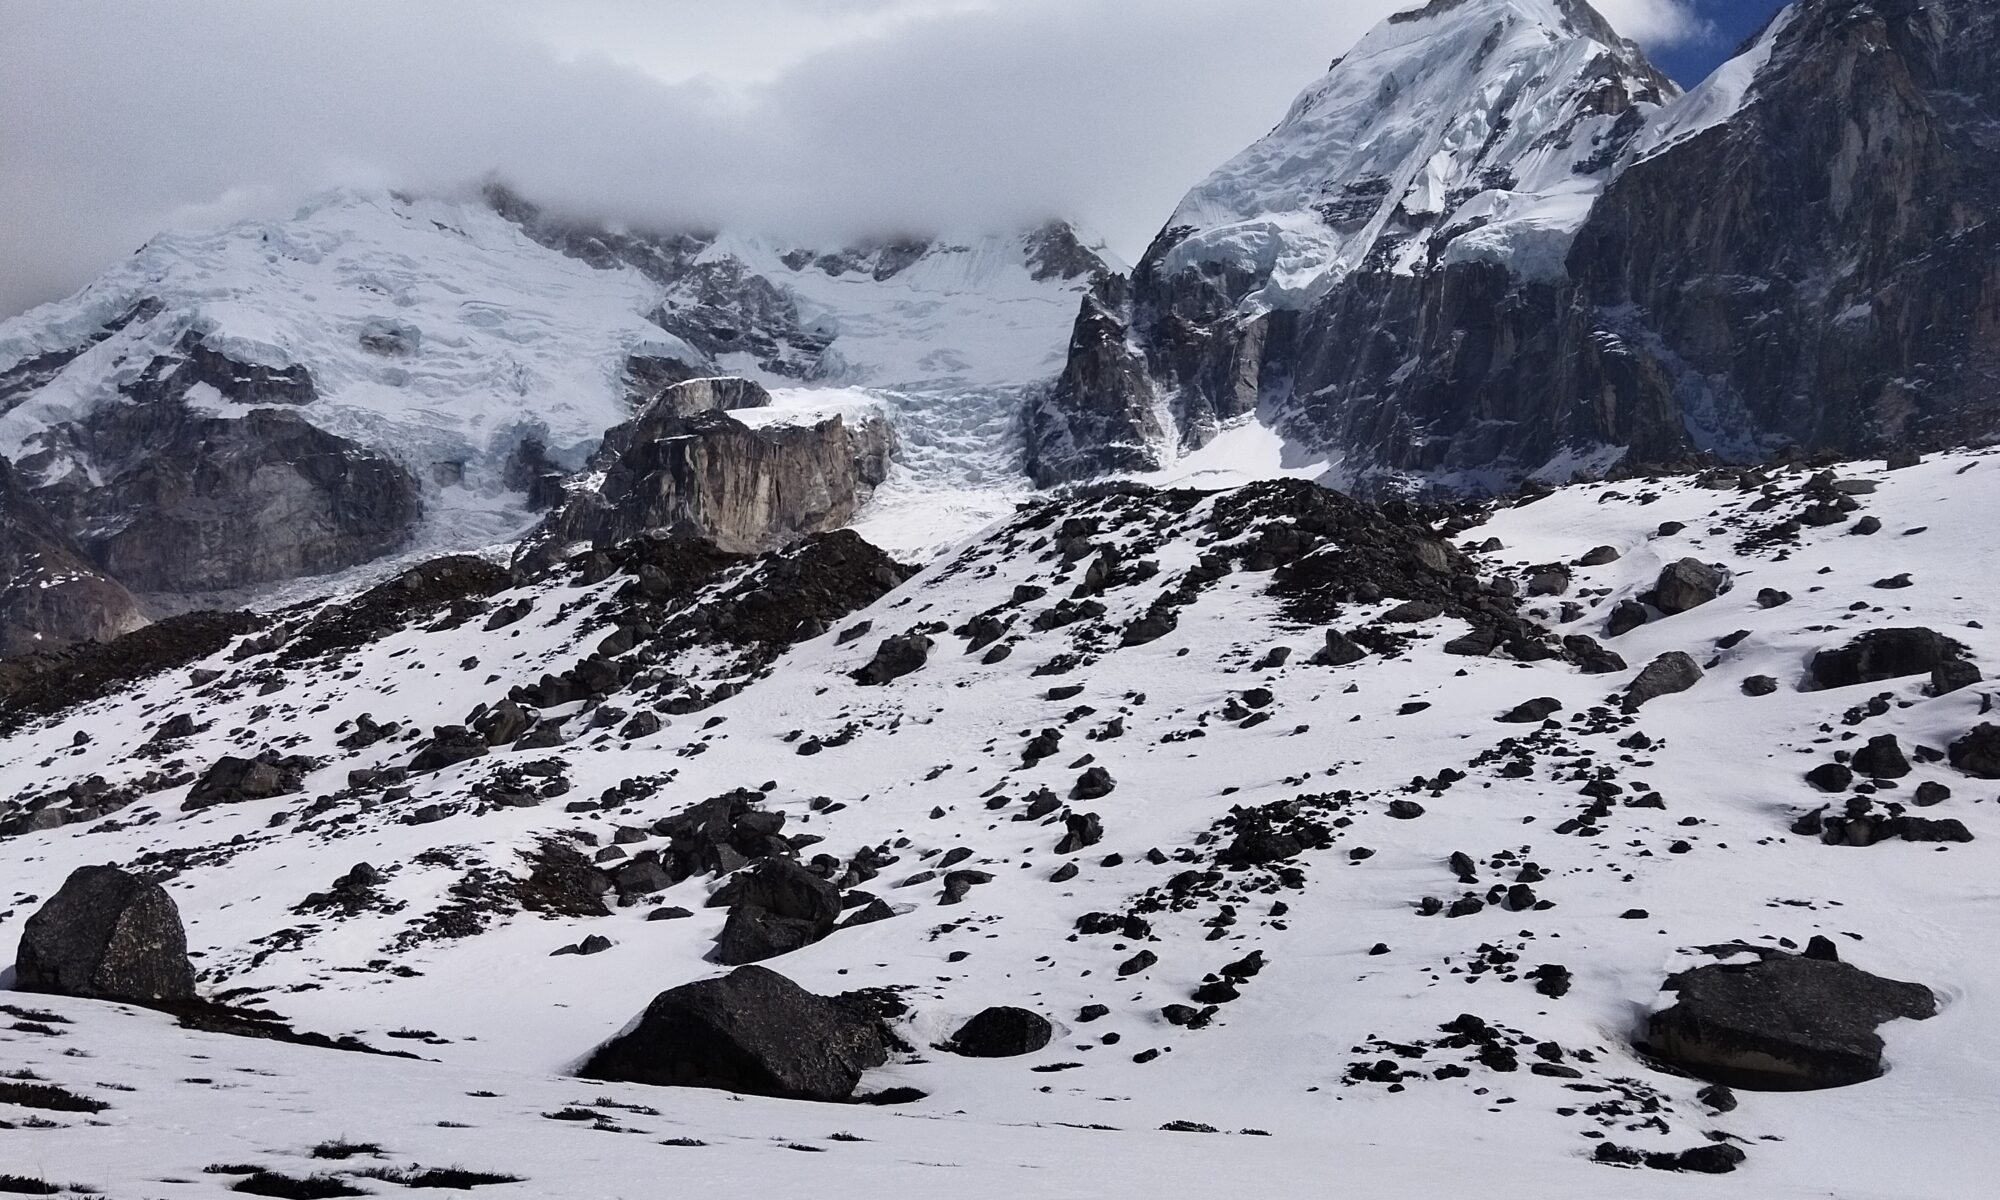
(818, 119)
(1658, 24)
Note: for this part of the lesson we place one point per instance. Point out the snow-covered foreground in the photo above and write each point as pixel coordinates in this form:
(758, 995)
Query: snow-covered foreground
(1192, 726)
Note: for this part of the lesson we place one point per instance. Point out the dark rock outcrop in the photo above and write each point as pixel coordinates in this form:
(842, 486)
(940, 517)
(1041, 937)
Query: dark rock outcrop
(1783, 1023)
(168, 500)
(52, 595)
(233, 780)
(751, 1031)
(49, 682)
(106, 935)
(684, 465)
(1883, 654)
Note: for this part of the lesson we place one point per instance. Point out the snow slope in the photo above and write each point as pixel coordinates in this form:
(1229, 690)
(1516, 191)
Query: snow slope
(933, 762)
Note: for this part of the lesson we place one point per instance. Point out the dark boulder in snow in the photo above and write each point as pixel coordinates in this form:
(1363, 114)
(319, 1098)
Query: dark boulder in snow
(235, 780)
(1094, 784)
(1002, 1032)
(1884, 654)
(1590, 655)
(1954, 676)
(1978, 752)
(1688, 584)
(1782, 1024)
(106, 935)
(776, 907)
(1339, 651)
(894, 658)
(1666, 675)
(1531, 711)
(752, 1031)
(1626, 616)
(1882, 758)
(450, 745)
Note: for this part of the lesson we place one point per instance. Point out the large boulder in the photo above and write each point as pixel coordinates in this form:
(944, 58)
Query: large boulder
(449, 746)
(894, 658)
(776, 907)
(1664, 676)
(1784, 1023)
(106, 935)
(1978, 752)
(1002, 1032)
(751, 1031)
(1688, 584)
(1884, 654)
(234, 780)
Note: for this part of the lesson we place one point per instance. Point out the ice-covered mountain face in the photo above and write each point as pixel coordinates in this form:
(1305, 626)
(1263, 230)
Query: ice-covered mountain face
(384, 374)
(1296, 839)
(1465, 132)
(1467, 129)
(1493, 243)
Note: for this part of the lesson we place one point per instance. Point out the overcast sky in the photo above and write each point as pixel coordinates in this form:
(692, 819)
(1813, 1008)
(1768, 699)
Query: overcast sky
(808, 118)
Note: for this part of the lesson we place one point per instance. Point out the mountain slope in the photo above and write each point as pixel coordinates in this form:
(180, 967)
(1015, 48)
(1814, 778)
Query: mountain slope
(1250, 802)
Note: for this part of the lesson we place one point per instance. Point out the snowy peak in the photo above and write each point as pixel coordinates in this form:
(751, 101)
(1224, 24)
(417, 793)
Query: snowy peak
(1488, 122)
(462, 353)
(962, 310)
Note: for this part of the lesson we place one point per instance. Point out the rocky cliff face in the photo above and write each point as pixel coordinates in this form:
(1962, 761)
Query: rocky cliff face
(1462, 136)
(1823, 268)
(50, 594)
(686, 466)
(181, 502)
(1578, 268)
(200, 474)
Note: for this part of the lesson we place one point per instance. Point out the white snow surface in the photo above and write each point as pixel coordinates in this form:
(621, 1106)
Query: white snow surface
(1083, 1117)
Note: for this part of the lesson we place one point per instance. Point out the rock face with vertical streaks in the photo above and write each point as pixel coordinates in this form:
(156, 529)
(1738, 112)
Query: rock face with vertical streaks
(685, 465)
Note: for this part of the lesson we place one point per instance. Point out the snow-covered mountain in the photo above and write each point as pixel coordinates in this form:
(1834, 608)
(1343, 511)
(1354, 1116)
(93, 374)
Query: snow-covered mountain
(1494, 242)
(437, 359)
(1463, 130)
(1314, 840)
